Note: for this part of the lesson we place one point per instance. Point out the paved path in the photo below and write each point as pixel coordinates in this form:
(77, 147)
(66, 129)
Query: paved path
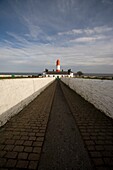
(63, 147)
(96, 130)
(21, 139)
(77, 136)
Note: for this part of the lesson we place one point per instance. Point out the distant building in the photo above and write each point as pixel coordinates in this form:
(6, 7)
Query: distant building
(58, 73)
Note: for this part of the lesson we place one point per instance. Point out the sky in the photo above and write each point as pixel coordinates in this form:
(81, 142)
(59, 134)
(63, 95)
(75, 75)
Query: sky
(35, 33)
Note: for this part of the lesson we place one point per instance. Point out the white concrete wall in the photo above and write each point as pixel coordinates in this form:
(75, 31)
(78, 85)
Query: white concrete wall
(97, 92)
(15, 94)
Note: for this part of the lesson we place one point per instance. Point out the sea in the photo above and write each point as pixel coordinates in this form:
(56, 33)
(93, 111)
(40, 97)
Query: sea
(99, 74)
(38, 73)
(19, 73)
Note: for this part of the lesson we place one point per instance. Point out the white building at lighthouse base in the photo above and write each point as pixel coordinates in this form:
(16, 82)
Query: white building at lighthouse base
(57, 74)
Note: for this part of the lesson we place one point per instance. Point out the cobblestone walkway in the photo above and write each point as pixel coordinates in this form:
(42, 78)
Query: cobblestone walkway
(63, 147)
(21, 139)
(96, 130)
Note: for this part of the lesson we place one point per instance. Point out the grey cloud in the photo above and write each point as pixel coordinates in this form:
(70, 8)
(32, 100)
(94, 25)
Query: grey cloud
(88, 31)
(18, 38)
(31, 56)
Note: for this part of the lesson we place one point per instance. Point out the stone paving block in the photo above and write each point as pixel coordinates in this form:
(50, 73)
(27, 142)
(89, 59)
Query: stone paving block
(9, 147)
(2, 153)
(98, 161)
(10, 142)
(36, 127)
(24, 137)
(16, 133)
(102, 168)
(2, 162)
(22, 155)
(108, 147)
(109, 137)
(32, 138)
(19, 142)
(18, 148)
(100, 142)
(39, 125)
(33, 157)
(11, 163)
(35, 131)
(89, 142)
(16, 137)
(2, 146)
(11, 155)
(86, 138)
(93, 137)
(99, 147)
(37, 143)
(41, 139)
(40, 134)
(33, 165)
(37, 150)
(28, 149)
(91, 147)
(31, 134)
(22, 164)
(108, 161)
(2, 141)
(101, 138)
(42, 131)
(109, 142)
(42, 128)
(8, 136)
(24, 133)
(107, 154)
(27, 143)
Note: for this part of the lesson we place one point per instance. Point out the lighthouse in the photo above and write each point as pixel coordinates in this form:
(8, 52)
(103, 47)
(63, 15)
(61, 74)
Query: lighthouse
(58, 66)
(58, 73)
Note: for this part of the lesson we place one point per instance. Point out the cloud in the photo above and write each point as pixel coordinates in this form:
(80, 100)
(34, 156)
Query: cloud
(102, 29)
(18, 38)
(35, 57)
(86, 35)
(34, 30)
(88, 31)
(87, 39)
(71, 32)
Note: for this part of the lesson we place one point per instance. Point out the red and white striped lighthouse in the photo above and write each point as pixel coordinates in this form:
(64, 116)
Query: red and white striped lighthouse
(58, 66)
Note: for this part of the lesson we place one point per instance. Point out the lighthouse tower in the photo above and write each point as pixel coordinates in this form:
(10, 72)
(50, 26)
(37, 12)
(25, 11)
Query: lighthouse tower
(58, 66)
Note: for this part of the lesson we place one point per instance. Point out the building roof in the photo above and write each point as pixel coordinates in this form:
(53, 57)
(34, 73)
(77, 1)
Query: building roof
(59, 73)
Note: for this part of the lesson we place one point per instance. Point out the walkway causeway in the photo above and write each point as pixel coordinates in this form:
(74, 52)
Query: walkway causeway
(59, 130)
